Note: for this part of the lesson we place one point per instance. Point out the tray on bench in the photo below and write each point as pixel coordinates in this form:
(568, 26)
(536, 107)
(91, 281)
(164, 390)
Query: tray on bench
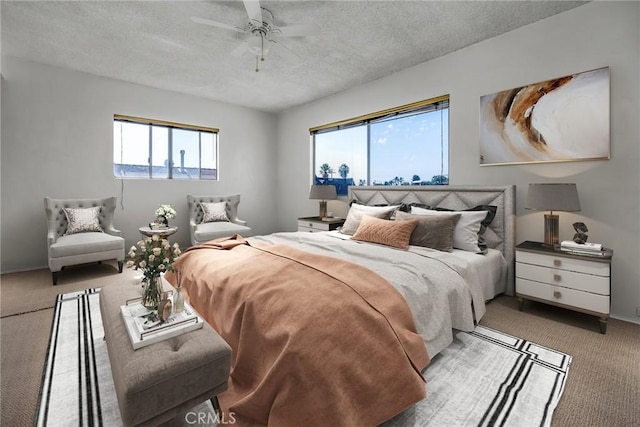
(141, 335)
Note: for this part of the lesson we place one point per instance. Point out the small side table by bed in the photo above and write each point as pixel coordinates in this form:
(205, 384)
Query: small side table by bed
(162, 232)
(574, 281)
(315, 223)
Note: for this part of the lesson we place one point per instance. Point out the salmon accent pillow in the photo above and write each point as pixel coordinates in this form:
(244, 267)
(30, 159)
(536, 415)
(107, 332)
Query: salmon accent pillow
(385, 232)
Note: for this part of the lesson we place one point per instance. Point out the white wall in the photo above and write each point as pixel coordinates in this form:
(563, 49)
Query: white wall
(591, 36)
(57, 128)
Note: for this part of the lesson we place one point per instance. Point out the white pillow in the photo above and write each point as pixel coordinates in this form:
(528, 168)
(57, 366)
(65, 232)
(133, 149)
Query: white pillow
(465, 234)
(214, 212)
(356, 212)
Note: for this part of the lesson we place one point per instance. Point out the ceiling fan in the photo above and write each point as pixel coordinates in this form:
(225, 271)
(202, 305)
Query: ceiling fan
(260, 33)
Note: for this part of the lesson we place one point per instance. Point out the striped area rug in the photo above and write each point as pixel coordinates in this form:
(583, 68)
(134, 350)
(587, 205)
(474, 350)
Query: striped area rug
(488, 378)
(77, 387)
(483, 378)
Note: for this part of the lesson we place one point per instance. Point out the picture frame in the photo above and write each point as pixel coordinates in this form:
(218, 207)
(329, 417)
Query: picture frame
(558, 120)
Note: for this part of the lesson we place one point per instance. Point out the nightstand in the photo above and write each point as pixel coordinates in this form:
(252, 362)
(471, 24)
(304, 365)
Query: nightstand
(564, 279)
(315, 224)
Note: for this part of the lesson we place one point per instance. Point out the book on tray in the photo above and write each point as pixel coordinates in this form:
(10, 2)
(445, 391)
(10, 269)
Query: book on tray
(590, 247)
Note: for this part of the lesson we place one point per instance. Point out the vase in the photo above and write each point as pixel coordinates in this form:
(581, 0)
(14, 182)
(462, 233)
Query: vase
(162, 220)
(178, 300)
(152, 293)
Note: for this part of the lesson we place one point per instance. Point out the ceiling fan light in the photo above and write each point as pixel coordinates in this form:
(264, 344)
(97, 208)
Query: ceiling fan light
(259, 45)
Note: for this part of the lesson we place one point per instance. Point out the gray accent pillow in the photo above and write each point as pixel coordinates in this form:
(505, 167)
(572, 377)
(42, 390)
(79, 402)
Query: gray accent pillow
(81, 220)
(432, 231)
(214, 211)
(466, 234)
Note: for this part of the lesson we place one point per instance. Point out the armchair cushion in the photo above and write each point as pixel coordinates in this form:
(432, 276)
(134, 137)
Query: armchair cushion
(85, 243)
(82, 220)
(214, 211)
(214, 230)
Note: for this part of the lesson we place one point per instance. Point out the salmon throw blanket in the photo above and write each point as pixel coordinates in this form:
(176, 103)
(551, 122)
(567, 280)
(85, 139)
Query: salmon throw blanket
(316, 340)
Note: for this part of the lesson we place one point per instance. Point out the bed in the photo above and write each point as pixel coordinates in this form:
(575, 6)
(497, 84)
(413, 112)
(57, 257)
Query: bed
(330, 329)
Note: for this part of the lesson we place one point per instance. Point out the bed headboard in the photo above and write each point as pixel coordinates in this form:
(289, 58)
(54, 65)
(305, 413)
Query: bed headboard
(500, 234)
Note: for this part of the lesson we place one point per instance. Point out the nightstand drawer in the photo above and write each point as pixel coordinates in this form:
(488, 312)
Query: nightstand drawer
(565, 296)
(564, 278)
(309, 229)
(313, 226)
(564, 263)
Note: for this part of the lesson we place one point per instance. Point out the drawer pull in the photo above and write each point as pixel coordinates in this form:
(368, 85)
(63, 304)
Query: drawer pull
(557, 294)
(557, 262)
(557, 277)
(310, 225)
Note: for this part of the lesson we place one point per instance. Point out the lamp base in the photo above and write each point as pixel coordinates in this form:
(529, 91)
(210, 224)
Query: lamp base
(323, 208)
(551, 230)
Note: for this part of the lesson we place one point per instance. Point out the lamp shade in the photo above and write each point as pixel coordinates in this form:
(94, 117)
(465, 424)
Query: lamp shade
(323, 192)
(553, 197)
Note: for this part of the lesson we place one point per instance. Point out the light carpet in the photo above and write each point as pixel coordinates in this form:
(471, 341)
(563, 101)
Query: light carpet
(483, 378)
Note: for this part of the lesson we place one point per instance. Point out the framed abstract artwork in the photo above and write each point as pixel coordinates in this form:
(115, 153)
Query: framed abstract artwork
(558, 120)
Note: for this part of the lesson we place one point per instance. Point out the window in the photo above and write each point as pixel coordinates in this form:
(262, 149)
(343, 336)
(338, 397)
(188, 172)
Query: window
(407, 145)
(145, 148)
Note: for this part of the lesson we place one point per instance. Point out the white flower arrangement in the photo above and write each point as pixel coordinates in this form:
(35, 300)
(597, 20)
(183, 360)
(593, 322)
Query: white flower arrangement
(166, 211)
(157, 256)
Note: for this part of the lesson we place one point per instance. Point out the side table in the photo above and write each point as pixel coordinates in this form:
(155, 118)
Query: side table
(315, 223)
(574, 281)
(162, 232)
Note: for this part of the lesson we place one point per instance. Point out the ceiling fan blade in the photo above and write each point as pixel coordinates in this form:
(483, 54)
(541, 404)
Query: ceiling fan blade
(217, 24)
(242, 48)
(284, 51)
(301, 30)
(253, 10)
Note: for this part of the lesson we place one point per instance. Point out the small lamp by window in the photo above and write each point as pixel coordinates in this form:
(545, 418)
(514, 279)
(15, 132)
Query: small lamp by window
(323, 193)
(552, 197)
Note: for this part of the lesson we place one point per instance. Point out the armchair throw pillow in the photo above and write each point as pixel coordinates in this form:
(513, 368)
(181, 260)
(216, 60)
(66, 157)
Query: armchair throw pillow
(81, 220)
(214, 212)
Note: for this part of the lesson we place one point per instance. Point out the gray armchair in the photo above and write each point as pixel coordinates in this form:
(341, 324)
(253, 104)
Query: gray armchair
(205, 231)
(83, 246)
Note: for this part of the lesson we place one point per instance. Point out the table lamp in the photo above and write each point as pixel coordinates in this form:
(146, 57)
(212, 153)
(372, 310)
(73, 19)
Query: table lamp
(323, 193)
(552, 197)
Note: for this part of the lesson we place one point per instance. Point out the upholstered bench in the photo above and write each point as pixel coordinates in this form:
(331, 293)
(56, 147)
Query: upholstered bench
(156, 383)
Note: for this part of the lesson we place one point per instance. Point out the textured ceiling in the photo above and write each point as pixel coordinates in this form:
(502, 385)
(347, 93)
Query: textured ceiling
(155, 43)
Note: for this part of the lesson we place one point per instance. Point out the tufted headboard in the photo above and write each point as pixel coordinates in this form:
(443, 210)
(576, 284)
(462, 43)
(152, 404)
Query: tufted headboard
(501, 232)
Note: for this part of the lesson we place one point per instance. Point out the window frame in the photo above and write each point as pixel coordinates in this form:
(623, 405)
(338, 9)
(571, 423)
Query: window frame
(419, 107)
(154, 124)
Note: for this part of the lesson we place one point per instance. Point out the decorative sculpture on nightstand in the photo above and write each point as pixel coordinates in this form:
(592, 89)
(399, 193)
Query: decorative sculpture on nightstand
(580, 237)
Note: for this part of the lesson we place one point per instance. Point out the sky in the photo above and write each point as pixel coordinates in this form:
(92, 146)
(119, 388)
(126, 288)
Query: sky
(399, 148)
